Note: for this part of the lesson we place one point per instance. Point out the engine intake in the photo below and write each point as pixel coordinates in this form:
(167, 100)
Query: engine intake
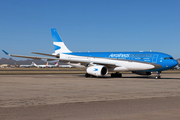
(97, 70)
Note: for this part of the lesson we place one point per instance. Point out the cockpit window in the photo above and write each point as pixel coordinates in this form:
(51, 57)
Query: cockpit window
(167, 58)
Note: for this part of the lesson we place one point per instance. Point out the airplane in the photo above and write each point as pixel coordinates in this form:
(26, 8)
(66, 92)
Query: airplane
(100, 63)
(52, 66)
(27, 66)
(44, 66)
(78, 65)
(65, 66)
(177, 67)
(40, 66)
(57, 65)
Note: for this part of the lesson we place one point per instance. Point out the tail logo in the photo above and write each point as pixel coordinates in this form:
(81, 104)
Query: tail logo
(59, 46)
(56, 47)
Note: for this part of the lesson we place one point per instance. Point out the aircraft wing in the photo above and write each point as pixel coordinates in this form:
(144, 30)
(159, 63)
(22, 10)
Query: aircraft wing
(31, 57)
(84, 62)
(108, 62)
(57, 56)
(87, 62)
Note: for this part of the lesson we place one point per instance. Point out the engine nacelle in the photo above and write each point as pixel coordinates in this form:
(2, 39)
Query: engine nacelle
(141, 73)
(97, 70)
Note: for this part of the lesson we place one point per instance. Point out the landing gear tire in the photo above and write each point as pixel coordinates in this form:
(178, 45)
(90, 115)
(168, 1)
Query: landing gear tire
(158, 76)
(116, 75)
(88, 75)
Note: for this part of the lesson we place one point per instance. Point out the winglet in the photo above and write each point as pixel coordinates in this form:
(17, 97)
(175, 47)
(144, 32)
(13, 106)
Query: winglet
(5, 52)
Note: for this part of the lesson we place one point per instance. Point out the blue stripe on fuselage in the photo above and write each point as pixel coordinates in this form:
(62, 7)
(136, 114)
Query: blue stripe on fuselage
(137, 56)
(149, 57)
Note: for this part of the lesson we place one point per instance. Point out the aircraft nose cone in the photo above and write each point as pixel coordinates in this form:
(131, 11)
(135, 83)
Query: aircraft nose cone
(174, 63)
(171, 64)
(177, 62)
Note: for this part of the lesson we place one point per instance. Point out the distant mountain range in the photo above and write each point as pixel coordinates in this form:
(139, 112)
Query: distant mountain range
(11, 61)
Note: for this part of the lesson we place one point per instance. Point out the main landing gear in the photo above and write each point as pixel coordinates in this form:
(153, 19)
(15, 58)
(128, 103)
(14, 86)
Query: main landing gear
(158, 75)
(88, 75)
(113, 75)
(117, 74)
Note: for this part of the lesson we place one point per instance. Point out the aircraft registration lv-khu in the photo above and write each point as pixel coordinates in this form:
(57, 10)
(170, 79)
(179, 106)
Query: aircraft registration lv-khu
(100, 63)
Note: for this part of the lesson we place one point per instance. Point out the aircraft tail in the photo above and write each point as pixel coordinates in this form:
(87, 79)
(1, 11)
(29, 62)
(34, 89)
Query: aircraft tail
(34, 64)
(59, 46)
(56, 64)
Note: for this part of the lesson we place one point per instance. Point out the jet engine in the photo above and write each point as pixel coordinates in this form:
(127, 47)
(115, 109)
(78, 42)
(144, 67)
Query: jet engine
(97, 70)
(141, 73)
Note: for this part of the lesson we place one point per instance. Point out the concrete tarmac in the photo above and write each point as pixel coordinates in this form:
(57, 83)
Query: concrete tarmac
(73, 97)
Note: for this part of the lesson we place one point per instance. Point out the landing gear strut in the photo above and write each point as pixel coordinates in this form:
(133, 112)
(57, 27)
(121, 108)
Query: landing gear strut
(158, 75)
(117, 74)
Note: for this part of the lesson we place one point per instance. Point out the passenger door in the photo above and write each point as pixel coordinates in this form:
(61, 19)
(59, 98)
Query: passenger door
(154, 59)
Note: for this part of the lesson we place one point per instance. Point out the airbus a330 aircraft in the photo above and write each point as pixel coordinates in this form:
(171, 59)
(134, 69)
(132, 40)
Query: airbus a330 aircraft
(27, 66)
(40, 66)
(44, 66)
(100, 63)
(52, 66)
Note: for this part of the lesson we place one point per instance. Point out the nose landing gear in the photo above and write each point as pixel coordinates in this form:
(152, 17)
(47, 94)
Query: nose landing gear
(158, 75)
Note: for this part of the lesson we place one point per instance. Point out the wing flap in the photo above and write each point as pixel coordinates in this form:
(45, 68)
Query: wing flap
(57, 56)
(34, 57)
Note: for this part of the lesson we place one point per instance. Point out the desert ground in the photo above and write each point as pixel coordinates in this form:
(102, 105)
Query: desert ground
(74, 97)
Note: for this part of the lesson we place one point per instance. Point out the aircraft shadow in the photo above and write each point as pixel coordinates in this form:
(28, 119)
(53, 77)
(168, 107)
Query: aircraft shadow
(140, 77)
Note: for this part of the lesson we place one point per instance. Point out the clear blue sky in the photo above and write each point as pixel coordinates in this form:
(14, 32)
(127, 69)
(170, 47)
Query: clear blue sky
(90, 25)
